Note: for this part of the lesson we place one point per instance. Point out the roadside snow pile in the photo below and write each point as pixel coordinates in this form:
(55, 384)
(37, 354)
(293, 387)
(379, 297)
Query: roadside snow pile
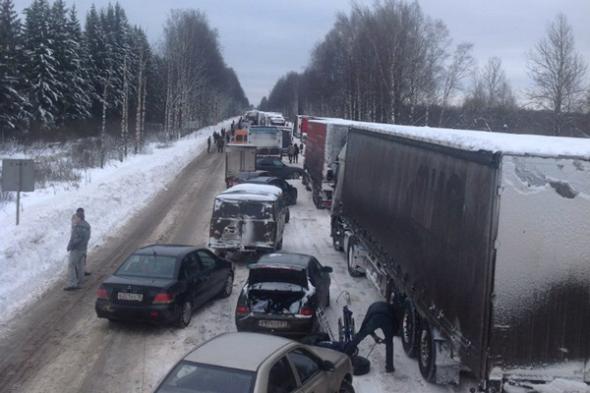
(33, 255)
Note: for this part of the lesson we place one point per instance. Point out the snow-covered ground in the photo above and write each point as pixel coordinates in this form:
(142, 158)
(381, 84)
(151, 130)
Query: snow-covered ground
(33, 255)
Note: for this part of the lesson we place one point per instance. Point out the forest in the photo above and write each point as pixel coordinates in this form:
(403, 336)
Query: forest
(392, 63)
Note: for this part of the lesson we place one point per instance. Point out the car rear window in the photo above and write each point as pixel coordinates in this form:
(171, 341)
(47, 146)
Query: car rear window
(243, 209)
(277, 274)
(149, 266)
(190, 377)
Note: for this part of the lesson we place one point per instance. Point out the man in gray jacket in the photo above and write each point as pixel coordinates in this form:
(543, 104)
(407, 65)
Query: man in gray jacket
(78, 247)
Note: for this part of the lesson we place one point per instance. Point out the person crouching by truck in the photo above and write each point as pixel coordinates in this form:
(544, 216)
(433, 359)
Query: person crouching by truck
(380, 315)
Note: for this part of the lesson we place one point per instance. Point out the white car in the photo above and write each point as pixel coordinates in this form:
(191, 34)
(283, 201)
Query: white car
(259, 363)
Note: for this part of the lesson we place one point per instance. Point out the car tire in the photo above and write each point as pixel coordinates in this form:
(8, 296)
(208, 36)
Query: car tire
(227, 286)
(346, 387)
(410, 330)
(185, 314)
(287, 216)
(280, 245)
(427, 354)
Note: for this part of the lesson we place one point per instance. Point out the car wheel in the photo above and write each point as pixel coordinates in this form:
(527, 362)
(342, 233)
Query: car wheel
(280, 245)
(346, 387)
(328, 299)
(185, 314)
(288, 217)
(427, 354)
(228, 286)
(410, 330)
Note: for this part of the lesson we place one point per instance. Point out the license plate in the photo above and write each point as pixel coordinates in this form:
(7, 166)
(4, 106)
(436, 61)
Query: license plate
(134, 297)
(273, 324)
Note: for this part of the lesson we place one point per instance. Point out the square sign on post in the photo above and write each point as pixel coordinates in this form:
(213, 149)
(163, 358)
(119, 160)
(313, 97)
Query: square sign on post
(18, 175)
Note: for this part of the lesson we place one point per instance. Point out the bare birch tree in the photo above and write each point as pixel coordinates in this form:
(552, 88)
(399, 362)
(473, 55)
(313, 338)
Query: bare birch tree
(557, 72)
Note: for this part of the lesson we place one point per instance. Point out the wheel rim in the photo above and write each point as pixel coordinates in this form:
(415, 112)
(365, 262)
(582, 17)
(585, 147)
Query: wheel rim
(186, 313)
(229, 284)
(424, 349)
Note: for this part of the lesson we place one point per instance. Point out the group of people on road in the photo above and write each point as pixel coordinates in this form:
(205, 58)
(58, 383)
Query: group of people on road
(78, 249)
(293, 152)
(220, 139)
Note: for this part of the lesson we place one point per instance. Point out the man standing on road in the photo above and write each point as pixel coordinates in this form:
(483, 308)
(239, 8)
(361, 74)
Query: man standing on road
(290, 151)
(208, 144)
(380, 315)
(220, 144)
(78, 248)
(296, 153)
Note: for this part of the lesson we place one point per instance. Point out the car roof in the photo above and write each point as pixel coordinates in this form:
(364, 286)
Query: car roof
(263, 179)
(174, 250)
(250, 188)
(284, 259)
(242, 351)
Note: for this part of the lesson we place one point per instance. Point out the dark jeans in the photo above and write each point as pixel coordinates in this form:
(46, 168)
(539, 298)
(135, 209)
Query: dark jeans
(369, 326)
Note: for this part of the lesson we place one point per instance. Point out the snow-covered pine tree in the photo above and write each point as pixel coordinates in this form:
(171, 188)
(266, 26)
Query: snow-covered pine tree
(41, 68)
(13, 102)
(72, 60)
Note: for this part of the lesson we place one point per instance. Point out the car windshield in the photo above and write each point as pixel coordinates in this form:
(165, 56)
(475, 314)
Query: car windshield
(188, 377)
(243, 210)
(148, 265)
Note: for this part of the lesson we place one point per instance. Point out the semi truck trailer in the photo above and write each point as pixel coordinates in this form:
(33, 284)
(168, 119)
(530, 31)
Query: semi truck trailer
(484, 238)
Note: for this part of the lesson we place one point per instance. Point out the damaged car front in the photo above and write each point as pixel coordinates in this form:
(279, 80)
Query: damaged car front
(277, 300)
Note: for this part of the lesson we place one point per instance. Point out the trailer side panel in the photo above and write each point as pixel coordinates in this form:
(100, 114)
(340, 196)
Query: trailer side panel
(429, 211)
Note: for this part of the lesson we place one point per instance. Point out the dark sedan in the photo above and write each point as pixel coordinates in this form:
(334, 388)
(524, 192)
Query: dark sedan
(289, 191)
(278, 168)
(164, 284)
(283, 294)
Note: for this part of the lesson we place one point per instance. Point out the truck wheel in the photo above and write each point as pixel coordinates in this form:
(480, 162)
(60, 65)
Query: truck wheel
(427, 354)
(410, 330)
(353, 270)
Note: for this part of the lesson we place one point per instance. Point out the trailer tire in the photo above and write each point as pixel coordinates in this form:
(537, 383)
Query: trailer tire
(352, 270)
(410, 330)
(427, 353)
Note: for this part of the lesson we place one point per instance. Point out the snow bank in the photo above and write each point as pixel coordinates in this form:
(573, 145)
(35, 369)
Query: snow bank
(33, 255)
(514, 144)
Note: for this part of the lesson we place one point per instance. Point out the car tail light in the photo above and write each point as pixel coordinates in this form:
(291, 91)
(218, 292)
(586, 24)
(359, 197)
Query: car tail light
(102, 293)
(242, 310)
(306, 311)
(163, 298)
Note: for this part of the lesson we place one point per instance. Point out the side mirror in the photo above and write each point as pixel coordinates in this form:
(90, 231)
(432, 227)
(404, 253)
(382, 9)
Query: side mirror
(327, 365)
(327, 269)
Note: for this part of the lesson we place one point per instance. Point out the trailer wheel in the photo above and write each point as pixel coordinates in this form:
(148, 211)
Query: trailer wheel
(410, 330)
(427, 354)
(353, 269)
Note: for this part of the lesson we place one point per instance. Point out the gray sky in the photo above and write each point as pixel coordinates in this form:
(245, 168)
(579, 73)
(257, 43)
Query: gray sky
(264, 39)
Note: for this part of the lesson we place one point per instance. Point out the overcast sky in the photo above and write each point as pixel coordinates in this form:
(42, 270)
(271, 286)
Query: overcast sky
(264, 39)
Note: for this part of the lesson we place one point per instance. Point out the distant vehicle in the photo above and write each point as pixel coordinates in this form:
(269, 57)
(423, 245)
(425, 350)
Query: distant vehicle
(244, 176)
(238, 158)
(259, 363)
(283, 294)
(289, 191)
(278, 168)
(164, 284)
(248, 217)
(324, 142)
(268, 140)
(485, 237)
(277, 120)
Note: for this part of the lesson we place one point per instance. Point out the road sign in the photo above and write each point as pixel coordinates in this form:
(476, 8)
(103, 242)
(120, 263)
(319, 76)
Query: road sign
(18, 175)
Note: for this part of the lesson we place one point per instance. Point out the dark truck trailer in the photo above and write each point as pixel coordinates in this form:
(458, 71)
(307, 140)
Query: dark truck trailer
(488, 247)
(325, 139)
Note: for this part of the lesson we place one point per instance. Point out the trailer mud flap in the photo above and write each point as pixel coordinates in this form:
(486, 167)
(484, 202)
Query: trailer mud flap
(447, 367)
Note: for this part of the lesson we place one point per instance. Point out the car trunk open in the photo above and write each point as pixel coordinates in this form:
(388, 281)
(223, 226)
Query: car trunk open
(277, 291)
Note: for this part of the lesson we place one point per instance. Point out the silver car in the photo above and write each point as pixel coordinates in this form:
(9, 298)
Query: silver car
(259, 363)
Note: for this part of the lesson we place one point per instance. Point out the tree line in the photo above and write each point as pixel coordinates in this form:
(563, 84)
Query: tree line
(391, 63)
(106, 79)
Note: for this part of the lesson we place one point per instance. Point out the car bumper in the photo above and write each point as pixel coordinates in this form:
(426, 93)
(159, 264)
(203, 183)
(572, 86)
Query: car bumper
(295, 327)
(159, 314)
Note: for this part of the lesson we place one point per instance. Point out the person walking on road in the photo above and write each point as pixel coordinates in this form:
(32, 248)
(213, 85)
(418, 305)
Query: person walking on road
(220, 145)
(208, 144)
(290, 151)
(295, 153)
(78, 248)
(380, 315)
(301, 148)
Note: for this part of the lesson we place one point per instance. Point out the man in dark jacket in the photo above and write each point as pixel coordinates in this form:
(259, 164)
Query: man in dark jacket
(78, 248)
(380, 315)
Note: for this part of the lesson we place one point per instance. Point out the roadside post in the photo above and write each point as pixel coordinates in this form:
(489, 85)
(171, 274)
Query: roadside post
(18, 175)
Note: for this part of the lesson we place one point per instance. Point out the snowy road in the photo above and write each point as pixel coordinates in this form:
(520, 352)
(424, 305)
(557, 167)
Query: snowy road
(59, 345)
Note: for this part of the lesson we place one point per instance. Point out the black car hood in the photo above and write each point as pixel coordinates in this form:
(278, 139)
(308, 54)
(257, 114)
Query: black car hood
(139, 281)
